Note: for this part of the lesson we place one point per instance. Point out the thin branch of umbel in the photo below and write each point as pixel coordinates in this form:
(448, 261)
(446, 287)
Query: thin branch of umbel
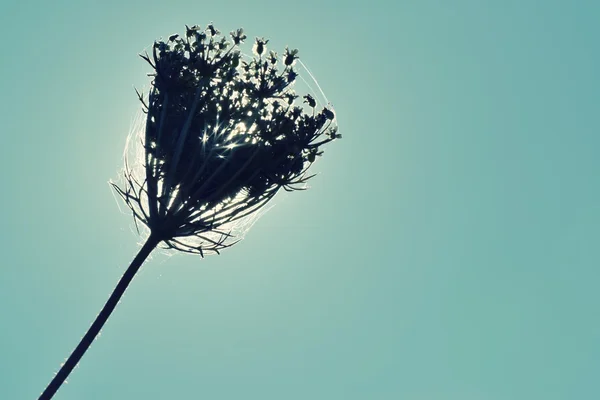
(223, 134)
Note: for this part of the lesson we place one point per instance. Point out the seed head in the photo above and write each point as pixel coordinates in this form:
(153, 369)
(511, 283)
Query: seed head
(222, 135)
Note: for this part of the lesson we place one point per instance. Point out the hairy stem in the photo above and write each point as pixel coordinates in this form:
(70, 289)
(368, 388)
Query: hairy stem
(101, 319)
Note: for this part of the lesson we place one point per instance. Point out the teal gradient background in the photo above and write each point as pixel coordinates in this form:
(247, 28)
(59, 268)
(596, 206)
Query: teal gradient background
(447, 250)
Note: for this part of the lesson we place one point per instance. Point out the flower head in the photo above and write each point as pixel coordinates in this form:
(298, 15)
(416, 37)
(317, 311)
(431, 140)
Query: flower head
(238, 36)
(221, 138)
(213, 31)
(290, 56)
(260, 45)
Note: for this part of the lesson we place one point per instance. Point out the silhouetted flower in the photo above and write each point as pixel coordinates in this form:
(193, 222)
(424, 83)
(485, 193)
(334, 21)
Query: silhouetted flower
(259, 46)
(189, 32)
(220, 140)
(238, 36)
(212, 30)
(221, 137)
(328, 113)
(273, 57)
(290, 56)
(310, 100)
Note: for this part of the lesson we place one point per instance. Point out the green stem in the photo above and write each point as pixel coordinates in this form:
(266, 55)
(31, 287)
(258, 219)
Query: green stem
(101, 319)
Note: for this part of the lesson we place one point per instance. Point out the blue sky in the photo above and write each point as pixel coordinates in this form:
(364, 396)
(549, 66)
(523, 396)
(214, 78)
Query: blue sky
(448, 248)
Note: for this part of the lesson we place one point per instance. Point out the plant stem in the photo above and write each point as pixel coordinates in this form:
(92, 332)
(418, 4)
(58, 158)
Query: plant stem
(101, 319)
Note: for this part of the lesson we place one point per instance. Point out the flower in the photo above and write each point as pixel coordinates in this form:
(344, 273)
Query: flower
(189, 32)
(310, 100)
(221, 138)
(273, 57)
(290, 56)
(259, 46)
(213, 31)
(238, 36)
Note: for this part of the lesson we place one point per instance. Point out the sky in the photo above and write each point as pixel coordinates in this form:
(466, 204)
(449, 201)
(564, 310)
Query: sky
(446, 250)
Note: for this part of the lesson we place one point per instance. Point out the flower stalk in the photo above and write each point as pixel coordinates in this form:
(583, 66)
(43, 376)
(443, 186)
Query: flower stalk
(100, 320)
